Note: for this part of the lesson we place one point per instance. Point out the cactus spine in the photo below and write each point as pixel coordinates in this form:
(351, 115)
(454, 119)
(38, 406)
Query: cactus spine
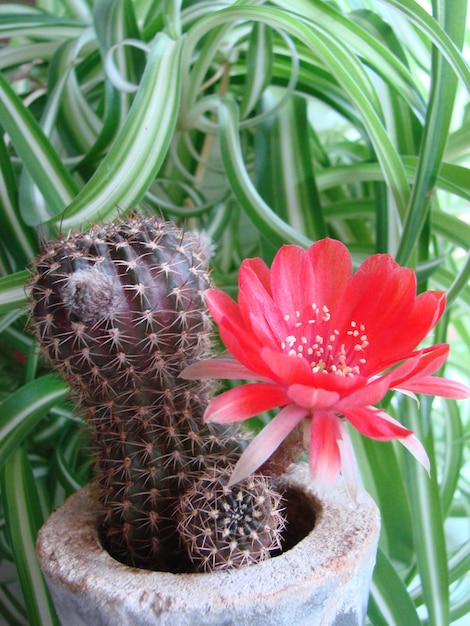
(120, 312)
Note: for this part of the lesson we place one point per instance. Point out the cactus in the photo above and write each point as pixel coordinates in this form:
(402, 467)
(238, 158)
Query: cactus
(226, 527)
(119, 311)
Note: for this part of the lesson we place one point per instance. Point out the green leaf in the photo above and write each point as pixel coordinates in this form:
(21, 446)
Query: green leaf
(7, 320)
(22, 410)
(69, 112)
(459, 563)
(453, 229)
(12, 291)
(18, 240)
(362, 43)
(389, 602)
(284, 171)
(460, 602)
(39, 157)
(10, 608)
(434, 31)
(37, 25)
(453, 455)
(115, 22)
(276, 230)
(428, 523)
(134, 159)
(65, 457)
(459, 566)
(23, 519)
(12, 56)
(258, 67)
(435, 133)
(347, 71)
(456, 291)
(117, 33)
(383, 477)
(452, 178)
(33, 202)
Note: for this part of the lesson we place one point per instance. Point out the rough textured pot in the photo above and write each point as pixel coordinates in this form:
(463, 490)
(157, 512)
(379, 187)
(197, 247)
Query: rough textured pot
(323, 579)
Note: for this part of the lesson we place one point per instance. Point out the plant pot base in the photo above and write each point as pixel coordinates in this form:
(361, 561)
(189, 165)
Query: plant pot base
(322, 580)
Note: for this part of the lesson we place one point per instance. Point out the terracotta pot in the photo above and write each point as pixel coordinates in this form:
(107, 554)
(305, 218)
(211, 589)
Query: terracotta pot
(323, 579)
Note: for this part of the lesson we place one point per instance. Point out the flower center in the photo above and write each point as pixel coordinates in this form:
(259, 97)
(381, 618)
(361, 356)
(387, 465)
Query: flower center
(312, 337)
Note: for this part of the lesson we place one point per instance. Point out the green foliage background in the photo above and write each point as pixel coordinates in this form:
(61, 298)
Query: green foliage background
(262, 122)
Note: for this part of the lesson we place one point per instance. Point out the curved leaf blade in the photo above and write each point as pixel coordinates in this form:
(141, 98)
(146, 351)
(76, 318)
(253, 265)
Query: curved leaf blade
(284, 173)
(428, 523)
(12, 291)
(389, 602)
(21, 411)
(39, 157)
(23, 518)
(267, 222)
(134, 159)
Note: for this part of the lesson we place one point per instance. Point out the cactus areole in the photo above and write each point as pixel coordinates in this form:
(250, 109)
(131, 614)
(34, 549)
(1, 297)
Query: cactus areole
(119, 312)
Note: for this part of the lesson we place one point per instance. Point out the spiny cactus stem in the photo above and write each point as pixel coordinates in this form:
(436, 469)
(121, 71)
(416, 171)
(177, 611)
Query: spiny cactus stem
(120, 312)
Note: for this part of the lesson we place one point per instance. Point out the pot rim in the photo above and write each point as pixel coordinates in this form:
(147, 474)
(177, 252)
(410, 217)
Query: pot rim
(344, 530)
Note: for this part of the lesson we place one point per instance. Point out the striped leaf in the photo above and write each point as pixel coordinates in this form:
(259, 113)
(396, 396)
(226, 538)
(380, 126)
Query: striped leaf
(276, 230)
(23, 519)
(37, 154)
(284, 171)
(389, 602)
(17, 239)
(12, 291)
(134, 159)
(23, 409)
(427, 518)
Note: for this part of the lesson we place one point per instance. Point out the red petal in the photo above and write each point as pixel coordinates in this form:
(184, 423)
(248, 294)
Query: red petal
(292, 280)
(262, 271)
(289, 369)
(245, 349)
(397, 342)
(373, 423)
(410, 442)
(217, 368)
(421, 363)
(258, 310)
(417, 449)
(236, 336)
(381, 290)
(312, 398)
(238, 339)
(381, 296)
(348, 460)
(436, 386)
(332, 268)
(267, 441)
(245, 401)
(293, 370)
(221, 306)
(325, 457)
(367, 395)
(427, 311)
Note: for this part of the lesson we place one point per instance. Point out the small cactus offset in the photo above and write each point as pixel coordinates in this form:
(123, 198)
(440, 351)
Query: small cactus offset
(226, 527)
(120, 312)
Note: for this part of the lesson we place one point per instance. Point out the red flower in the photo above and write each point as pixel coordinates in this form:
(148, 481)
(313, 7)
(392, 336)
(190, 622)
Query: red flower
(326, 345)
